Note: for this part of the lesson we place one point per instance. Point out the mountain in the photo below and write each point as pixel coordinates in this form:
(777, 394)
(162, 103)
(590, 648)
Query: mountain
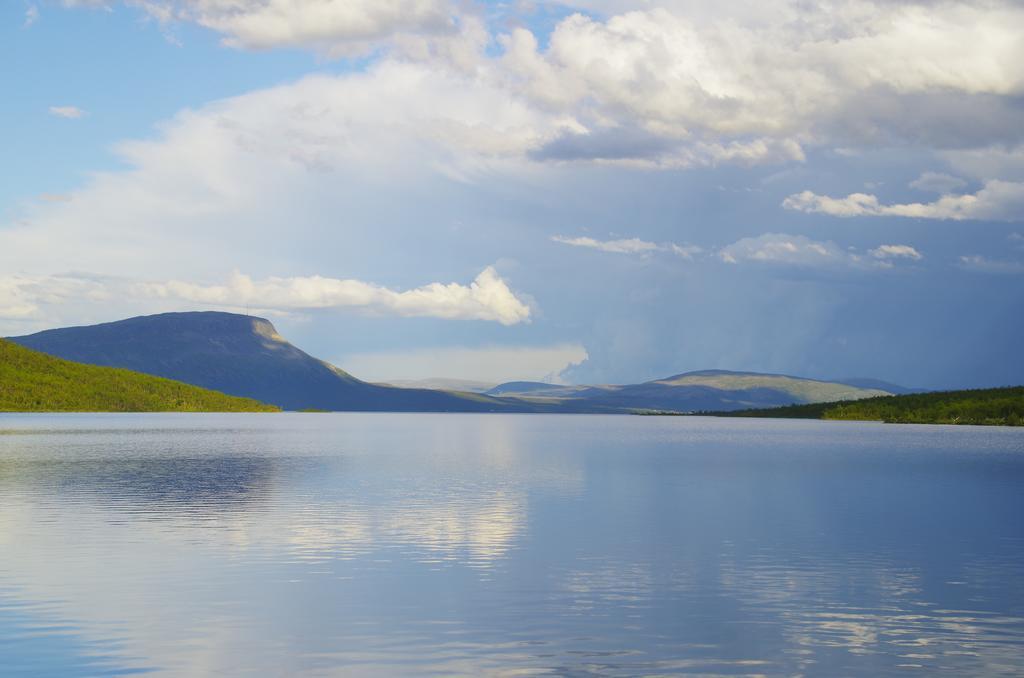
(880, 385)
(443, 384)
(34, 382)
(535, 389)
(690, 392)
(990, 406)
(243, 356)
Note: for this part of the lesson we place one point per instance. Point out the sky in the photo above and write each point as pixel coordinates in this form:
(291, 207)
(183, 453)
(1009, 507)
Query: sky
(587, 192)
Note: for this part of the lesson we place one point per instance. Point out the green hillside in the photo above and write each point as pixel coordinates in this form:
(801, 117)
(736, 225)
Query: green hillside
(35, 382)
(799, 389)
(991, 406)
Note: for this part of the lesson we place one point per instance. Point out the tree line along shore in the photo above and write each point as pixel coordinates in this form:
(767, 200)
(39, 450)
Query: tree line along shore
(984, 407)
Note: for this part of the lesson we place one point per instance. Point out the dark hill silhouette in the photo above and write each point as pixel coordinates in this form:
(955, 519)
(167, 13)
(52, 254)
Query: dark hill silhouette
(243, 356)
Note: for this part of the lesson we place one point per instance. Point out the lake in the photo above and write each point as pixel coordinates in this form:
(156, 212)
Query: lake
(569, 545)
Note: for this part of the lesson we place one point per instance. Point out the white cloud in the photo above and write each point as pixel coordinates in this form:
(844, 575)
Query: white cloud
(997, 201)
(937, 182)
(336, 27)
(801, 251)
(895, 252)
(626, 246)
(629, 246)
(25, 297)
(488, 297)
(494, 364)
(778, 248)
(999, 160)
(15, 302)
(71, 112)
(689, 83)
(782, 248)
(772, 78)
(235, 170)
(981, 264)
(31, 16)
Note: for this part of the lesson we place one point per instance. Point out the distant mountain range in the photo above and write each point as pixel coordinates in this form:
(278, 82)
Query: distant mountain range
(245, 356)
(692, 391)
(443, 384)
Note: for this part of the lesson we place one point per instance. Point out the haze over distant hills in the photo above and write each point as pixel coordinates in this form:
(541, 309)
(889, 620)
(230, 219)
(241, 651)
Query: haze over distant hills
(443, 384)
(245, 356)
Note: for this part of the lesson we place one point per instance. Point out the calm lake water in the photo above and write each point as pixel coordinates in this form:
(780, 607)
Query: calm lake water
(383, 544)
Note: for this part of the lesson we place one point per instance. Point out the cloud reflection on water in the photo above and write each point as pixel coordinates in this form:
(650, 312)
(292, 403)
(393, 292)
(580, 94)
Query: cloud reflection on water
(476, 545)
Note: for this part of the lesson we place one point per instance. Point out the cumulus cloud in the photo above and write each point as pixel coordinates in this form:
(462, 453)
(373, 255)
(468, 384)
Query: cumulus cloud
(771, 78)
(24, 297)
(629, 246)
(15, 301)
(488, 297)
(692, 83)
(71, 112)
(895, 252)
(333, 26)
(236, 169)
(997, 201)
(616, 146)
(937, 182)
(495, 364)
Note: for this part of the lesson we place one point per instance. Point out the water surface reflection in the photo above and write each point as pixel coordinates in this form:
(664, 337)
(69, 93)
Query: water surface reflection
(468, 545)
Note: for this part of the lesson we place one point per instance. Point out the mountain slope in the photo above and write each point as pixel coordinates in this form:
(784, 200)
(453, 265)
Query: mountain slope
(692, 391)
(34, 382)
(442, 384)
(889, 387)
(535, 389)
(243, 356)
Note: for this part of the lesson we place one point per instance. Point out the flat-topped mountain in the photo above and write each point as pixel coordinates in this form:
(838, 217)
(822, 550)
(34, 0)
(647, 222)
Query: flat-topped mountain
(243, 356)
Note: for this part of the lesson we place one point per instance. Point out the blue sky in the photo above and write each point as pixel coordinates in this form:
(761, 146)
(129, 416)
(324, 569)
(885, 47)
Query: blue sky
(596, 192)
